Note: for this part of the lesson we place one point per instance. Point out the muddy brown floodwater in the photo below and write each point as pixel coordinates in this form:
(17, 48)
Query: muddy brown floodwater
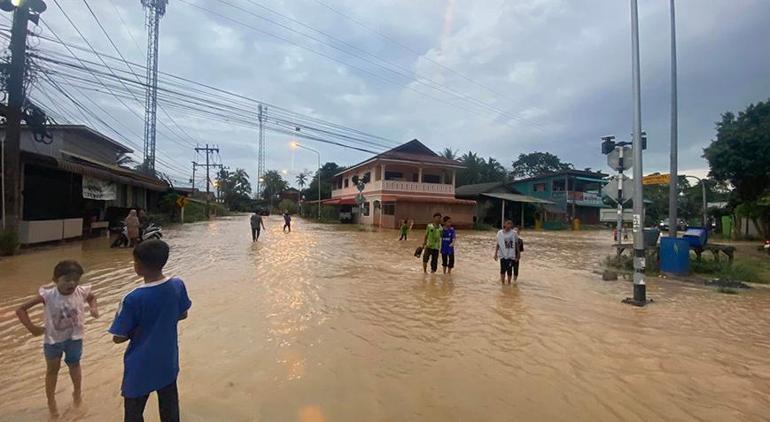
(330, 323)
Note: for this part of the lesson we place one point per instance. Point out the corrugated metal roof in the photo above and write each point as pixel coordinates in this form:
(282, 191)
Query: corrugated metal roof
(514, 197)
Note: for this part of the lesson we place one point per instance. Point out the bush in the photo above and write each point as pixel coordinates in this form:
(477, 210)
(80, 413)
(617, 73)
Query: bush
(9, 242)
(725, 270)
(288, 205)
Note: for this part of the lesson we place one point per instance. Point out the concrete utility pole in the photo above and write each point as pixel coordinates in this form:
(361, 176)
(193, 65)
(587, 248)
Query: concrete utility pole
(12, 144)
(208, 150)
(673, 187)
(640, 289)
(262, 116)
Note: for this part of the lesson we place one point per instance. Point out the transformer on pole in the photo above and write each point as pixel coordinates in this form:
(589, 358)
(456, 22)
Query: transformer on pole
(154, 10)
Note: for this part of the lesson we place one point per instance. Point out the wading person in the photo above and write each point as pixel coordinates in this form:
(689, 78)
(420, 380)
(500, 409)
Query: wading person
(404, 230)
(448, 237)
(132, 227)
(286, 221)
(147, 318)
(505, 250)
(64, 318)
(256, 226)
(432, 244)
(519, 250)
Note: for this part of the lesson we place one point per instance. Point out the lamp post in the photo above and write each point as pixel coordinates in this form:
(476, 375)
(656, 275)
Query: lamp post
(704, 217)
(296, 145)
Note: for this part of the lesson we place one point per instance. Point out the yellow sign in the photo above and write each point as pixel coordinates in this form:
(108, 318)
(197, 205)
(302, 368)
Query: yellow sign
(182, 201)
(656, 179)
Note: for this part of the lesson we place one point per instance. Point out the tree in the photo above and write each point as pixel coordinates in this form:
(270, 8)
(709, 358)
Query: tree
(302, 180)
(273, 184)
(740, 155)
(235, 189)
(478, 170)
(124, 160)
(449, 153)
(327, 173)
(537, 164)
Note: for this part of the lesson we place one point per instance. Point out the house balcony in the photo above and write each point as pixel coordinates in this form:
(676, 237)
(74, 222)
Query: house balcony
(398, 186)
(586, 199)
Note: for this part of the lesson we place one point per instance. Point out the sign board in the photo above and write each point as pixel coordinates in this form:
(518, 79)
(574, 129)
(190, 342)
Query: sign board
(360, 199)
(182, 201)
(613, 159)
(361, 186)
(656, 179)
(98, 189)
(612, 189)
(610, 215)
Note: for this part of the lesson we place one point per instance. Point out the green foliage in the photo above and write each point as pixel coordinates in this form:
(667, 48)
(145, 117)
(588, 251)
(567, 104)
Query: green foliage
(329, 214)
(538, 164)
(740, 155)
(235, 189)
(288, 205)
(479, 170)
(9, 242)
(327, 175)
(449, 153)
(302, 179)
(273, 184)
(725, 270)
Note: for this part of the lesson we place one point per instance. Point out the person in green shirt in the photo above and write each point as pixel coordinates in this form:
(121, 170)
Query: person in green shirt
(404, 230)
(432, 244)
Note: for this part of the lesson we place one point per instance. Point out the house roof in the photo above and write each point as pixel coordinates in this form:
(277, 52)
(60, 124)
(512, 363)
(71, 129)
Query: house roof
(513, 197)
(480, 188)
(570, 172)
(94, 134)
(413, 151)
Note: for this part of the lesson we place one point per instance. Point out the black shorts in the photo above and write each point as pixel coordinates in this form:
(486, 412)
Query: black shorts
(509, 266)
(448, 260)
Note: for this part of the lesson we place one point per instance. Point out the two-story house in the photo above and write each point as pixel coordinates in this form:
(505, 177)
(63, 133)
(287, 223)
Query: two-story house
(577, 193)
(409, 182)
(73, 184)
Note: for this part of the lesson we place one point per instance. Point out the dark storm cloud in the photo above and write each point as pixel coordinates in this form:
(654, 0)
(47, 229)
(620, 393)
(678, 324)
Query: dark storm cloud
(559, 69)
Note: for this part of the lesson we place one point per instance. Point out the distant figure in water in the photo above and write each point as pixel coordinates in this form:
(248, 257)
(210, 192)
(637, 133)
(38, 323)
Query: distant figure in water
(286, 221)
(506, 249)
(256, 226)
(132, 225)
(64, 318)
(404, 230)
(448, 237)
(431, 245)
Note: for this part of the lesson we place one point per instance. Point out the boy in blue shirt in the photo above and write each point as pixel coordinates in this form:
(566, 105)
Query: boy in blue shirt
(147, 317)
(448, 237)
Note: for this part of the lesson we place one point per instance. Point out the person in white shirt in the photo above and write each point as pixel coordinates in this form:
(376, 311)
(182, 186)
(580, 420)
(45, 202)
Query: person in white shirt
(507, 251)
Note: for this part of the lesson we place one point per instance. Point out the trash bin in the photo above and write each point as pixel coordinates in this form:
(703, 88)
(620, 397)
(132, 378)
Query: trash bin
(651, 238)
(576, 224)
(674, 256)
(696, 236)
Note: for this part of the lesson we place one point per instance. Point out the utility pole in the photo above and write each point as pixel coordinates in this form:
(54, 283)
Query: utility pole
(192, 193)
(154, 10)
(673, 186)
(12, 144)
(640, 288)
(262, 116)
(208, 150)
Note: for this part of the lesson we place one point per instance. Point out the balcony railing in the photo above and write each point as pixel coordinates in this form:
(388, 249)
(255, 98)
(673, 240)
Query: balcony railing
(579, 198)
(398, 186)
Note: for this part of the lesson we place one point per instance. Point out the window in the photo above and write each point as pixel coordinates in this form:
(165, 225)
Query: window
(347, 182)
(388, 209)
(539, 187)
(367, 207)
(431, 178)
(394, 175)
(415, 177)
(367, 177)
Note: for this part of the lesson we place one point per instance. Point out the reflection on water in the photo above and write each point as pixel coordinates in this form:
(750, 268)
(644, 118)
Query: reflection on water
(329, 323)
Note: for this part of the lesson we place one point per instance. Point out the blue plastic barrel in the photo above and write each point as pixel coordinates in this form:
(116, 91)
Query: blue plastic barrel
(674, 256)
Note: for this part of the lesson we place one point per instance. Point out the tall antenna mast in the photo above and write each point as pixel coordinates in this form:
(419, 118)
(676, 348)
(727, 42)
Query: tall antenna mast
(154, 10)
(262, 115)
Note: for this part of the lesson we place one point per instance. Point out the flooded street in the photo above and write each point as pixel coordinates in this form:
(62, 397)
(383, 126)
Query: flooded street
(329, 323)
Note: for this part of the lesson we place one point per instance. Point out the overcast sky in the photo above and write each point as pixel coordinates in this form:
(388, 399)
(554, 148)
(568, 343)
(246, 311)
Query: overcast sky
(512, 76)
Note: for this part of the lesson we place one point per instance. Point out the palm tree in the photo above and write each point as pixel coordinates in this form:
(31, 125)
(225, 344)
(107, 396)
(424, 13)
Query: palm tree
(302, 180)
(449, 153)
(124, 160)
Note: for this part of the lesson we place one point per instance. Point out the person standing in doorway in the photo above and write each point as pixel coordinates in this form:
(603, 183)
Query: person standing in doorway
(286, 221)
(432, 244)
(132, 226)
(505, 250)
(256, 226)
(448, 237)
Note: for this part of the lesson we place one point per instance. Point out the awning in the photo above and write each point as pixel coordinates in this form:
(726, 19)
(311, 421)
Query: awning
(125, 177)
(514, 197)
(337, 201)
(591, 179)
(427, 200)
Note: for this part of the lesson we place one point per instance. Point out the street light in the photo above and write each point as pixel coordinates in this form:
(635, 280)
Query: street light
(296, 145)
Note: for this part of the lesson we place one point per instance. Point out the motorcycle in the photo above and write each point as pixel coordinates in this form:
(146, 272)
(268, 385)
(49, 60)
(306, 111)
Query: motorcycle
(151, 231)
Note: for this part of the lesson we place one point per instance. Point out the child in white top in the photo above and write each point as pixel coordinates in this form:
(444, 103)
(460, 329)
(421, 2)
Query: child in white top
(64, 318)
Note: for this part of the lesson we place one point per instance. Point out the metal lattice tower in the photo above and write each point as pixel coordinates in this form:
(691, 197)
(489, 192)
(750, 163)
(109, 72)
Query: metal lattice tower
(154, 10)
(262, 115)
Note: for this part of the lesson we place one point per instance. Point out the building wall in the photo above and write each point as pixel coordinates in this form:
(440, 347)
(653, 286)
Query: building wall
(422, 213)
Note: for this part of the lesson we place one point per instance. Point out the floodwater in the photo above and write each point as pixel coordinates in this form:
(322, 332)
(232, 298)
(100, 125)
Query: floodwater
(329, 323)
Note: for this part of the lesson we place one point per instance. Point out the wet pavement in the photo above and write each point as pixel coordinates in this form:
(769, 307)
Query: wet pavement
(330, 323)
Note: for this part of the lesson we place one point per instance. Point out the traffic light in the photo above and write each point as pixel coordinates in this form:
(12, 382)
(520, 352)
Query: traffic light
(608, 145)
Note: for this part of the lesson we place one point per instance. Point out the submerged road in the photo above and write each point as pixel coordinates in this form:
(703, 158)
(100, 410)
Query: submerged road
(330, 323)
